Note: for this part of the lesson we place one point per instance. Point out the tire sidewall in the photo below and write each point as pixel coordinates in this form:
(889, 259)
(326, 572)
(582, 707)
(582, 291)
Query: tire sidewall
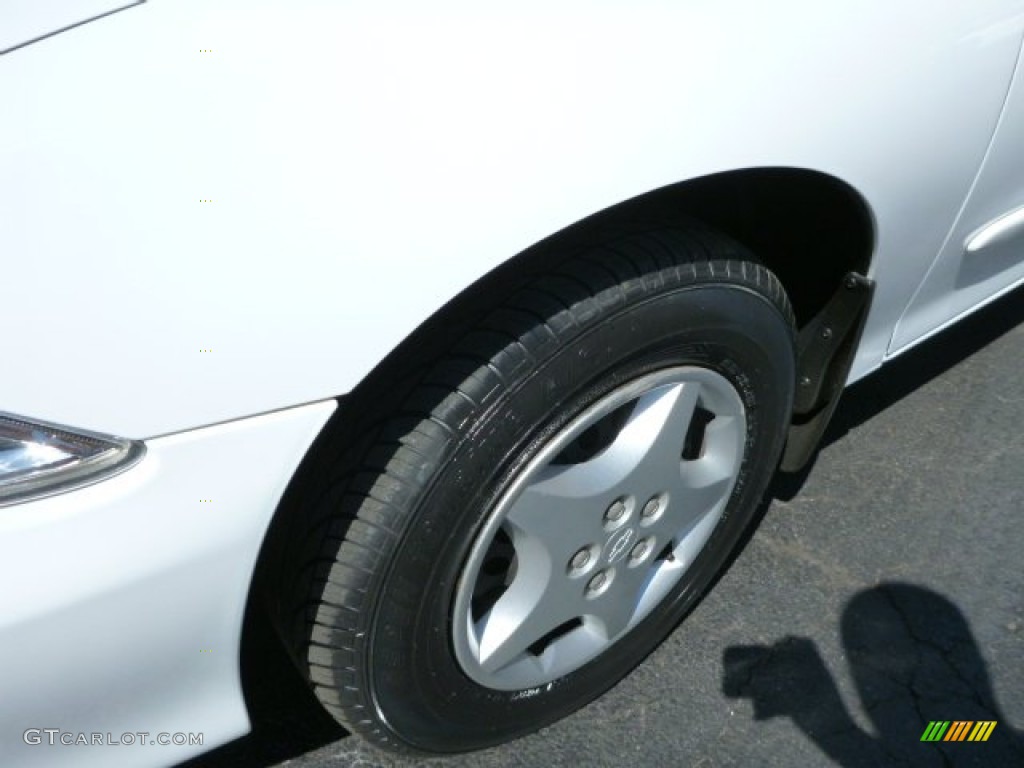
(415, 682)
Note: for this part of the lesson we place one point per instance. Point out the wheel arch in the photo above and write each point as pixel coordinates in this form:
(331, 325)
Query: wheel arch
(807, 227)
(810, 228)
(813, 230)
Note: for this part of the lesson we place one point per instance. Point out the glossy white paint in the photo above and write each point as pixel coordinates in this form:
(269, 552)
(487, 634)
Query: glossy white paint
(366, 163)
(122, 605)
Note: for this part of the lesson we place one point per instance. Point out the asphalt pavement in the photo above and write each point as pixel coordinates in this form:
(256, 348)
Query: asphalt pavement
(883, 589)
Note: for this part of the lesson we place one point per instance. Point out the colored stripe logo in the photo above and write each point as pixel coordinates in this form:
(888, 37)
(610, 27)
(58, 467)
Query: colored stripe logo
(958, 730)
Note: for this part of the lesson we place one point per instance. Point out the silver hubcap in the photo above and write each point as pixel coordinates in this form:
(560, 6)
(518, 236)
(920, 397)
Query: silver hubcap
(598, 528)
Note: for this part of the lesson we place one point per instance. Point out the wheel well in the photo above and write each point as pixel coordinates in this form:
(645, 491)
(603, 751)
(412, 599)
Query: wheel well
(809, 228)
(814, 231)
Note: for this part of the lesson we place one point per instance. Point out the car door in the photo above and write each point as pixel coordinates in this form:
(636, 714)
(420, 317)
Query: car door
(983, 255)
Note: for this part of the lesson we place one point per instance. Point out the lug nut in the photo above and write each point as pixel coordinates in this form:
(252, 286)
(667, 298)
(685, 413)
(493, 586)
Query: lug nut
(580, 559)
(651, 508)
(597, 582)
(615, 512)
(640, 550)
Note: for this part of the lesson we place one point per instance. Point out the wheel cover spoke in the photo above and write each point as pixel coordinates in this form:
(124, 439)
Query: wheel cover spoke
(600, 540)
(665, 416)
(554, 511)
(533, 605)
(704, 484)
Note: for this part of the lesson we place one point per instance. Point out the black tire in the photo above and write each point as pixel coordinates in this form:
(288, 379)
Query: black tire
(389, 514)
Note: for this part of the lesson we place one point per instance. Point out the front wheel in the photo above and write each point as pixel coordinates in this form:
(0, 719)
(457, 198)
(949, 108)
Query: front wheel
(551, 498)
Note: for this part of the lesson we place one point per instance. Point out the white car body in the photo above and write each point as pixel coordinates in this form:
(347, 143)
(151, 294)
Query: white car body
(216, 217)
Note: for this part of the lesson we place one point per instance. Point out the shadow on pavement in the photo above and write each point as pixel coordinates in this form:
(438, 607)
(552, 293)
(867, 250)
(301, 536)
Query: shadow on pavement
(913, 659)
